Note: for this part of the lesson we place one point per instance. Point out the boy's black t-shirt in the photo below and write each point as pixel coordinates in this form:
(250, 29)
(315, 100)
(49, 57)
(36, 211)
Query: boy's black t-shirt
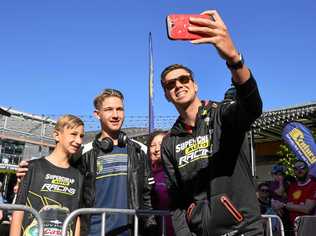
(52, 191)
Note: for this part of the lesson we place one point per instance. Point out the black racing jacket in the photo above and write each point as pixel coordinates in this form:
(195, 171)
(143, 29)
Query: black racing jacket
(138, 176)
(208, 175)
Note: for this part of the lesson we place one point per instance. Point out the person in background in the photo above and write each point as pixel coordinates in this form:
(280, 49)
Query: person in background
(160, 195)
(1, 202)
(264, 199)
(301, 196)
(278, 186)
(15, 192)
(278, 190)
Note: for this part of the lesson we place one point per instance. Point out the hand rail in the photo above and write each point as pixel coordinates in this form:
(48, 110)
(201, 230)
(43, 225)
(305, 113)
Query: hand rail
(103, 212)
(18, 207)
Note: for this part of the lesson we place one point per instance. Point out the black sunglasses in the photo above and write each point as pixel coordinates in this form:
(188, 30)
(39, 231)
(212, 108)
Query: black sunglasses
(298, 168)
(264, 190)
(171, 84)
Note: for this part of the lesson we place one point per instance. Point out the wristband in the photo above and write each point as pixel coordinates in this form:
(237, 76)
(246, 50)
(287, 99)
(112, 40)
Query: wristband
(237, 65)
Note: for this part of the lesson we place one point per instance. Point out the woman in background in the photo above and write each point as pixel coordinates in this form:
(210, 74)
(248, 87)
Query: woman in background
(160, 195)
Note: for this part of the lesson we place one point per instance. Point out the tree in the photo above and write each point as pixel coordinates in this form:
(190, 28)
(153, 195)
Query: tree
(287, 159)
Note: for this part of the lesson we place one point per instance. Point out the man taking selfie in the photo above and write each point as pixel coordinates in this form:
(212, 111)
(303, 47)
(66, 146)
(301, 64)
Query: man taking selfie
(204, 144)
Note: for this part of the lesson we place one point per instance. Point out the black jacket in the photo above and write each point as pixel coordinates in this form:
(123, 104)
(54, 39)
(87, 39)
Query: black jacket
(138, 177)
(206, 165)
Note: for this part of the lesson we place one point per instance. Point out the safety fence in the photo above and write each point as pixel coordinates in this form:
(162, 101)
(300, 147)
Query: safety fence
(104, 211)
(274, 223)
(84, 211)
(17, 207)
(304, 225)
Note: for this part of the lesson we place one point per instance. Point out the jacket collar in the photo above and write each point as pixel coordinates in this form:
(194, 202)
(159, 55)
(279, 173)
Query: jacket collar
(179, 127)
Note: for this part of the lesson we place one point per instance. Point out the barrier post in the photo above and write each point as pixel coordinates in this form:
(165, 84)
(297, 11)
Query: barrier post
(304, 225)
(18, 207)
(163, 225)
(103, 223)
(103, 211)
(270, 223)
(136, 225)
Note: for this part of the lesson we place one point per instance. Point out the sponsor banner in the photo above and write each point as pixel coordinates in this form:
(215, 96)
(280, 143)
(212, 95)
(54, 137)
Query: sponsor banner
(301, 141)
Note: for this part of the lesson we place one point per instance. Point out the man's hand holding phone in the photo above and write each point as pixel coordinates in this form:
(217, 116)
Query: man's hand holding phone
(208, 27)
(178, 24)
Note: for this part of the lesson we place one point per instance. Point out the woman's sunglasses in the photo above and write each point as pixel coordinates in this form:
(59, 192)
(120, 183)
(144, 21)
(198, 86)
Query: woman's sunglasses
(171, 84)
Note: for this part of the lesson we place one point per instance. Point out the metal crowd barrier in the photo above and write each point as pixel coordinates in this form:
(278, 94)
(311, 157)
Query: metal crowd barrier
(104, 211)
(17, 207)
(305, 225)
(270, 217)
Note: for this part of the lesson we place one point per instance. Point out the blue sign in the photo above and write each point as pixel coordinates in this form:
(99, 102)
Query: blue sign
(302, 143)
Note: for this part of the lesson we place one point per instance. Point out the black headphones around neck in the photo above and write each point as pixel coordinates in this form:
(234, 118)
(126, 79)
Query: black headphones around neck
(106, 144)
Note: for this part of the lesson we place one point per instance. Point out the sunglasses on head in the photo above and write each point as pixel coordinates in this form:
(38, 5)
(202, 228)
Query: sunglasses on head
(171, 84)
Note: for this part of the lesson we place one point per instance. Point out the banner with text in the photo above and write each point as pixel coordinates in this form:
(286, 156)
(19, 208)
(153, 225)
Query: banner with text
(302, 143)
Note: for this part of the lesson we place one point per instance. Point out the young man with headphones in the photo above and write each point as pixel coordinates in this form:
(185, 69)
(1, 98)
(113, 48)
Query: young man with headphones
(117, 170)
(201, 152)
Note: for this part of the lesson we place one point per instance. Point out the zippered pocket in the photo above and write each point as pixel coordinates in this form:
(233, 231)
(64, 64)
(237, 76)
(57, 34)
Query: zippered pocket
(231, 208)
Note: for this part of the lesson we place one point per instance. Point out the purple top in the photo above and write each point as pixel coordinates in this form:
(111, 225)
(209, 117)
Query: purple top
(160, 196)
(274, 185)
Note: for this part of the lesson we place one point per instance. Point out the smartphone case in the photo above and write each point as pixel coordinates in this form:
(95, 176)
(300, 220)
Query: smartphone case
(177, 26)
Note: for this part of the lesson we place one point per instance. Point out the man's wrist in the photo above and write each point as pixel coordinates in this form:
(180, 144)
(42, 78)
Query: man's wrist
(237, 62)
(233, 59)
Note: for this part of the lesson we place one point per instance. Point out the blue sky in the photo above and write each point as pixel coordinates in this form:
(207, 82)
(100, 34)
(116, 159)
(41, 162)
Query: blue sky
(55, 56)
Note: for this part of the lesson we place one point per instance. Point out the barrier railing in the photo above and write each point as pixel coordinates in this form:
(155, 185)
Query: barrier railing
(270, 228)
(17, 207)
(104, 211)
(304, 225)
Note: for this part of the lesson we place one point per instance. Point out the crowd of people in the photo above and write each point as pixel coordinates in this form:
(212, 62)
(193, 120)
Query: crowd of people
(199, 170)
(288, 197)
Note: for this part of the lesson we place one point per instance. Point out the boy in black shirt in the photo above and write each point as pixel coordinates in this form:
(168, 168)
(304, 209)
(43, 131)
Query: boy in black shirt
(51, 186)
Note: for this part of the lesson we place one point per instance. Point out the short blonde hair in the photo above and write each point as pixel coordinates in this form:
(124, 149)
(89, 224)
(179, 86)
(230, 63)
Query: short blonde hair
(98, 100)
(68, 121)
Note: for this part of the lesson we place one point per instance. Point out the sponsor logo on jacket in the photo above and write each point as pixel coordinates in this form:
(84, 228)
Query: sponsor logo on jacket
(194, 149)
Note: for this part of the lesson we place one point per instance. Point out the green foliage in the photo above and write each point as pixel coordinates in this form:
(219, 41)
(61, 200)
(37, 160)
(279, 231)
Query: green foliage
(287, 159)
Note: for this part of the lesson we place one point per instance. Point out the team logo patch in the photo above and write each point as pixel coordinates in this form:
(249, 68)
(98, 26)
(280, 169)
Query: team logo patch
(193, 150)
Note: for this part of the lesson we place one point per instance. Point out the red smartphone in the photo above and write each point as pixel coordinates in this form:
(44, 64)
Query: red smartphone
(177, 26)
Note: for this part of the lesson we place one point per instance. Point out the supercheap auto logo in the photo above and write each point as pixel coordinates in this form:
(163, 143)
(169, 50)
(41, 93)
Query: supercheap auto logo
(58, 184)
(194, 149)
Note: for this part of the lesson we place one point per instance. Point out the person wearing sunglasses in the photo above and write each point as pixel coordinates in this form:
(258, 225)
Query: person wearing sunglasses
(200, 154)
(301, 194)
(264, 197)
